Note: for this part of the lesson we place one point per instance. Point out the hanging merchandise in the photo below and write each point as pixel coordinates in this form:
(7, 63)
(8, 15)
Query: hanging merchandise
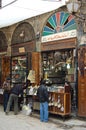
(31, 76)
(62, 108)
(59, 102)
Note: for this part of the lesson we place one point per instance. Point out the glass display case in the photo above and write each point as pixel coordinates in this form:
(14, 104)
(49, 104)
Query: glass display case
(19, 69)
(58, 66)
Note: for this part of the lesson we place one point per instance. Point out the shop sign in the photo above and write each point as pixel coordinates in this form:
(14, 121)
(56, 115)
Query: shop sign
(60, 36)
(21, 49)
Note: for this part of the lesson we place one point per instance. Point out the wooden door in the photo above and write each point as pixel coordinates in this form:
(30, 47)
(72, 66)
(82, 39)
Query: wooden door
(5, 67)
(82, 82)
(36, 66)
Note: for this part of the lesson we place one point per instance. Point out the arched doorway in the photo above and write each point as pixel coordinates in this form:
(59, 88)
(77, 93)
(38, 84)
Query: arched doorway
(23, 45)
(59, 40)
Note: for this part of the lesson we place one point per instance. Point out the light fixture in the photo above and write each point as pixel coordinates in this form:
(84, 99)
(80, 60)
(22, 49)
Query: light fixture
(38, 35)
(75, 7)
(16, 67)
(68, 66)
(22, 34)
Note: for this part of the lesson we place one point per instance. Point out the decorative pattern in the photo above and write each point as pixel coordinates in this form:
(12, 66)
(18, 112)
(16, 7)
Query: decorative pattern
(59, 22)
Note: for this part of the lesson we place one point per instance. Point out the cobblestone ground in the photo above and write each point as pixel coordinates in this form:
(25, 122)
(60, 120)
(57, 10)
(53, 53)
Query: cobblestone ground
(23, 122)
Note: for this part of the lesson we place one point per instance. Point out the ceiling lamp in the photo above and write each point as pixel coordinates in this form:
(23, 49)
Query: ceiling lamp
(73, 6)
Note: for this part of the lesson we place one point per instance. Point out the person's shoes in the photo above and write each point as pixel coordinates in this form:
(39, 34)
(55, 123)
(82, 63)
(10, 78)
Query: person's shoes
(41, 120)
(45, 121)
(6, 113)
(15, 113)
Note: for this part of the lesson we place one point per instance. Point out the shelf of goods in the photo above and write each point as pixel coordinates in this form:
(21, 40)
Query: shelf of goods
(59, 102)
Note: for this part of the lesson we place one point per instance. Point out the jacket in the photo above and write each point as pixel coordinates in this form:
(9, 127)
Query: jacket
(17, 89)
(42, 93)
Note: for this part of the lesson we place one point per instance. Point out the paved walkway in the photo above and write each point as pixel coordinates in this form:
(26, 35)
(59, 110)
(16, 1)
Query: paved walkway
(24, 122)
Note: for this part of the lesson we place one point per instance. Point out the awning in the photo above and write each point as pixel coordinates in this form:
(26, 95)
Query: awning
(14, 11)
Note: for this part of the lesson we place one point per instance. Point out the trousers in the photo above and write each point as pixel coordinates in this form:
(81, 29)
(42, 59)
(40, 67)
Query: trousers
(13, 99)
(44, 111)
(5, 101)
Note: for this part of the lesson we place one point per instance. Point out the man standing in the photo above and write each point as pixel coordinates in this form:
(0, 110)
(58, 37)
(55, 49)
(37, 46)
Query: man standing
(42, 94)
(15, 92)
(6, 87)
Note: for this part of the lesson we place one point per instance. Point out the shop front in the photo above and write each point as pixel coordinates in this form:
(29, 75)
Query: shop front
(58, 65)
(23, 52)
(23, 56)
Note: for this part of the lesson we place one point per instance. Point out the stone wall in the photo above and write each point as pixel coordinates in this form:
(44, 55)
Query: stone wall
(37, 23)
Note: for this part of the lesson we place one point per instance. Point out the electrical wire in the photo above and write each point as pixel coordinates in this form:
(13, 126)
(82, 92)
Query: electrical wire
(7, 4)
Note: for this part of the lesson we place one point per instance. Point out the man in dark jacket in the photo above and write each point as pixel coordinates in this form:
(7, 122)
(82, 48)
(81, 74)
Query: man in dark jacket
(15, 92)
(42, 94)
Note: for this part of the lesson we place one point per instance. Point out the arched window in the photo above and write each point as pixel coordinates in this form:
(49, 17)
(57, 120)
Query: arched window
(59, 22)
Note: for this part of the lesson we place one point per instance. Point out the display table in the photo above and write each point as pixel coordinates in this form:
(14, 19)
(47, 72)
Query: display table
(59, 103)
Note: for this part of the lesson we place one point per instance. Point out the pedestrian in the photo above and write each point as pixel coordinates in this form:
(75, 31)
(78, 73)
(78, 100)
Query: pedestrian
(43, 96)
(14, 94)
(6, 87)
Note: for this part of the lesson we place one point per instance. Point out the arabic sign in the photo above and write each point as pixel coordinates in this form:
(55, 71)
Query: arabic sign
(59, 36)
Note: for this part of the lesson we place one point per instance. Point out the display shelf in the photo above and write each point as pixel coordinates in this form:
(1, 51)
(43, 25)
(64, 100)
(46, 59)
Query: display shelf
(18, 69)
(60, 103)
(58, 66)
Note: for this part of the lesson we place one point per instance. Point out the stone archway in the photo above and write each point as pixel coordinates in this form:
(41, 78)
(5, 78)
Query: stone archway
(23, 33)
(23, 44)
(23, 36)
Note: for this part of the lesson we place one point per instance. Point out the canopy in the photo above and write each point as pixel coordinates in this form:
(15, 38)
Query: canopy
(14, 11)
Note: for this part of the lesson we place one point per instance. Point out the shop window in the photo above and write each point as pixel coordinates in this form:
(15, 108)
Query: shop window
(58, 66)
(19, 69)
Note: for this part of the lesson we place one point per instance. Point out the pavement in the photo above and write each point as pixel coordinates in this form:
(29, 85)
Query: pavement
(32, 122)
